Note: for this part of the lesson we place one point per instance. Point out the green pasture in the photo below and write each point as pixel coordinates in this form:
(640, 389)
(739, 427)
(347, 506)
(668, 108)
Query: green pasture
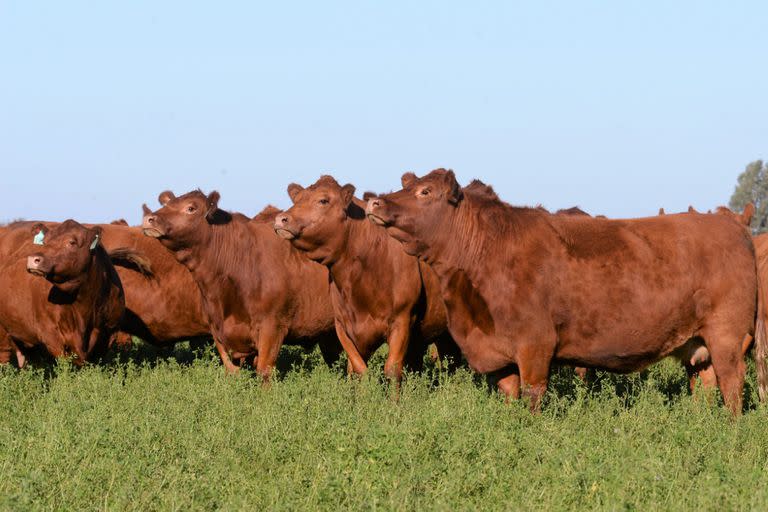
(154, 430)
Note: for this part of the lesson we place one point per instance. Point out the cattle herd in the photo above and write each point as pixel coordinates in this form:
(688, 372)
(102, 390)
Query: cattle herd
(510, 290)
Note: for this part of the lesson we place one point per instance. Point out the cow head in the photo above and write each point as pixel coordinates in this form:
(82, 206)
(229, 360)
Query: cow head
(181, 220)
(63, 254)
(412, 215)
(315, 223)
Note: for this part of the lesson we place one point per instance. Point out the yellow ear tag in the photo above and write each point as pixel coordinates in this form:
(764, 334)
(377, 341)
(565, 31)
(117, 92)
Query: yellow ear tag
(39, 237)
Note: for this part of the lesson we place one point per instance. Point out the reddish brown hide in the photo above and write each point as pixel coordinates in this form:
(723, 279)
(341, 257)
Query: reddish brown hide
(761, 350)
(525, 289)
(257, 290)
(162, 301)
(380, 294)
(62, 292)
(696, 359)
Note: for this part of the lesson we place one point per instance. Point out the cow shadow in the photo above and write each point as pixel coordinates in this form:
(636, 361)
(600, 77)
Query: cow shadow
(666, 378)
(141, 353)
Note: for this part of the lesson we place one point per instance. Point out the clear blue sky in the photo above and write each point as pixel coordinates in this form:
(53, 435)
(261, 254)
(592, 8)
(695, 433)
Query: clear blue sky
(619, 107)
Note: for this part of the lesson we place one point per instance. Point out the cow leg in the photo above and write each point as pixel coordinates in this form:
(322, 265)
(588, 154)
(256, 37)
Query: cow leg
(21, 359)
(708, 381)
(97, 344)
(6, 348)
(229, 367)
(355, 362)
(534, 361)
(398, 339)
(708, 377)
(56, 350)
(271, 337)
(5, 357)
(693, 376)
(81, 356)
(728, 363)
(122, 340)
(704, 374)
(509, 383)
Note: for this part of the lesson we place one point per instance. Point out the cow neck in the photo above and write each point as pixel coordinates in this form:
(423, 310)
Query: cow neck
(94, 286)
(191, 255)
(449, 251)
(466, 241)
(217, 254)
(357, 248)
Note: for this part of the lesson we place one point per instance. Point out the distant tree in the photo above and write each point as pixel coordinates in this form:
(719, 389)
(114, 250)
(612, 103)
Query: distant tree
(752, 187)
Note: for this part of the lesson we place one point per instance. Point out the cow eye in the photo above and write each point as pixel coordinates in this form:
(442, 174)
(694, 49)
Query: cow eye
(72, 243)
(191, 209)
(424, 192)
(324, 201)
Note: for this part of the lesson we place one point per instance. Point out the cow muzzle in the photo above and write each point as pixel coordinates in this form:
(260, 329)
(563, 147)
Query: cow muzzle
(284, 233)
(37, 265)
(282, 222)
(152, 232)
(373, 211)
(150, 227)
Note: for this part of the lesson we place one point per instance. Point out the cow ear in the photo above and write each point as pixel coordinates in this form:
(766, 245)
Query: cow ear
(407, 179)
(347, 193)
(39, 231)
(146, 210)
(662, 212)
(95, 233)
(212, 205)
(293, 191)
(369, 195)
(454, 190)
(747, 214)
(165, 197)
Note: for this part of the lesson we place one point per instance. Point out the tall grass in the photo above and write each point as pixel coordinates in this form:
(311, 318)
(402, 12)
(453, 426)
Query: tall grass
(169, 431)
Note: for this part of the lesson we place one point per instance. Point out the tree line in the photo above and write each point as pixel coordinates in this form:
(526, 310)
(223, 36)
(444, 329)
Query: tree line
(752, 187)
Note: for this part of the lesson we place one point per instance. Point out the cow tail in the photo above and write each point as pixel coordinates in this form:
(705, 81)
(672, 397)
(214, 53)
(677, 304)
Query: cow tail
(761, 339)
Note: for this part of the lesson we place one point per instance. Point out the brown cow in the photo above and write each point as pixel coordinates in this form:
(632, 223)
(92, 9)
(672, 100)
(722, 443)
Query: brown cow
(525, 289)
(696, 360)
(257, 290)
(162, 302)
(8, 348)
(7, 246)
(379, 293)
(60, 291)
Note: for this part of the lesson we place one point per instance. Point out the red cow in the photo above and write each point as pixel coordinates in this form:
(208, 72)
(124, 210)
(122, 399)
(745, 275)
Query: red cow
(525, 289)
(380, 294)
(257, 290)
(60, 291)
(162, 302)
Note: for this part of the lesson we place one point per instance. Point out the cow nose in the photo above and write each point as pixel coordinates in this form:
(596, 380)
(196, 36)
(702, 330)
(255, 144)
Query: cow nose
(34, 261)
(151, 220)
(284, 219)
(374, 203)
